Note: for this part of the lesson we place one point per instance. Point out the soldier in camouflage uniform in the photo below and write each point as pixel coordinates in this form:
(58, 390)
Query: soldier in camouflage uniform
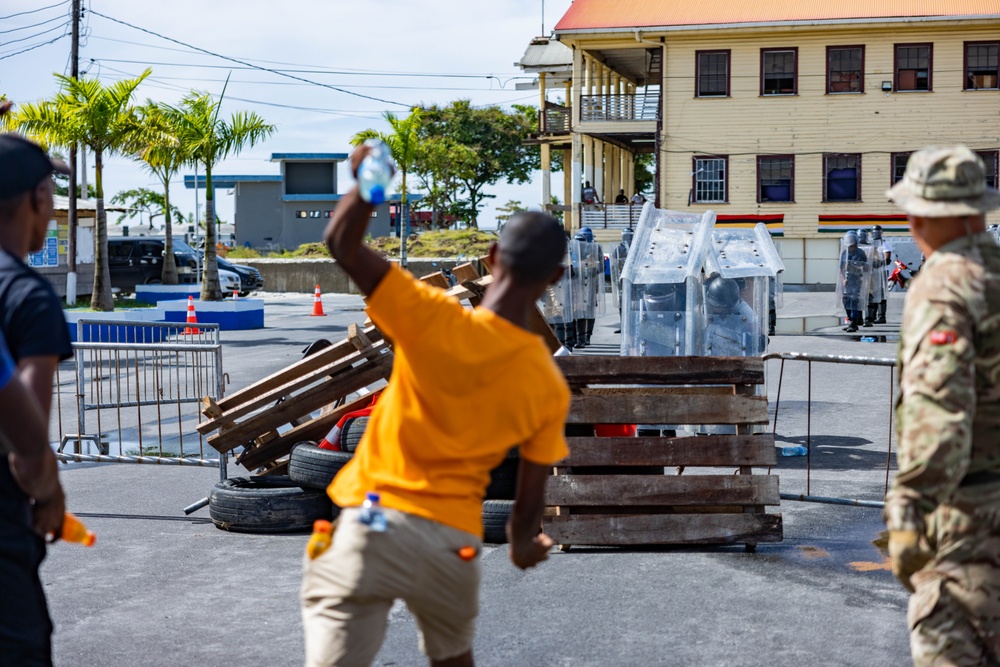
(943, 511)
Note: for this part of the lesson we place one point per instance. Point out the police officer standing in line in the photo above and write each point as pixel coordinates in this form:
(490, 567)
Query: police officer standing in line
(884, 254)
(853, 290)
(943, 510)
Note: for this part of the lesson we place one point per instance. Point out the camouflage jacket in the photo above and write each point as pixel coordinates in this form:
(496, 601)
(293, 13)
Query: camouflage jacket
(948, 407)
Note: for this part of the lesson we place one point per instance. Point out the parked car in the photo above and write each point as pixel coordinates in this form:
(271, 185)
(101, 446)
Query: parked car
(139, 261)
(250, 278)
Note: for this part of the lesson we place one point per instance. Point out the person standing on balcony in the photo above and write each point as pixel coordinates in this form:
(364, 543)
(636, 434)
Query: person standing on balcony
(621, 198)
(589, 194)
(32, 323)
(943, 510)
(638, 198)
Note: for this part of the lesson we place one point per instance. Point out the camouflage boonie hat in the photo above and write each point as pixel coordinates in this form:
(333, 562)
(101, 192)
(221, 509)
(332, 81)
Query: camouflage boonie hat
(944, 182)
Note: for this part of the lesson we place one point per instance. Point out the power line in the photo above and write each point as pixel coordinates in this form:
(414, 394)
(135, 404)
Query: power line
(296, 83)
(34, 11)
(308, 69)
(243, 62)
(37, 34)
(33, 25)
(31, 48)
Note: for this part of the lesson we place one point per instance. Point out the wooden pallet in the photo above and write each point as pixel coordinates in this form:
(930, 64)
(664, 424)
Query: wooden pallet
(594, 500)
(252, 417)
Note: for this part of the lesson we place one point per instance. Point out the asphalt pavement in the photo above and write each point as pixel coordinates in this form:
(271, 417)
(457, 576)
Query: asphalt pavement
(160, 588)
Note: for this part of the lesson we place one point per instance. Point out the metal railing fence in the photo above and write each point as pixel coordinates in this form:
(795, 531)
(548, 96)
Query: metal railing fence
(136, 393)
(809, 360)
(610, 216)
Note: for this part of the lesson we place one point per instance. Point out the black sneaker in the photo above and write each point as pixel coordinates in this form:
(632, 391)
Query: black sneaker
(880, 320)
(867, 323)
(852, 328)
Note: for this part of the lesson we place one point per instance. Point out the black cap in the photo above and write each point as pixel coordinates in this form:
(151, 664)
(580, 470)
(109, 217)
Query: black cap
(23, 165)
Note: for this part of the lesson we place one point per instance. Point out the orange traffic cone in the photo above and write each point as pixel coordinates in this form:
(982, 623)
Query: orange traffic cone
(318, 305)
(236, 295)
(191, 319)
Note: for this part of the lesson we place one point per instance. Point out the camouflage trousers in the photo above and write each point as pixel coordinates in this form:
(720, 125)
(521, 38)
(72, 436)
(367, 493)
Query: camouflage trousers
(954, 616)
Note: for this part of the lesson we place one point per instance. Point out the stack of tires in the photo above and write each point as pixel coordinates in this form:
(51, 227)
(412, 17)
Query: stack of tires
(290, 504)
(285, 503)
(500, 499)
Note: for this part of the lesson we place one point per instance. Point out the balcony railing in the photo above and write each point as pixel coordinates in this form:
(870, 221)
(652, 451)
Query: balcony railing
(555, 119)
(625, 107)
(609, 216)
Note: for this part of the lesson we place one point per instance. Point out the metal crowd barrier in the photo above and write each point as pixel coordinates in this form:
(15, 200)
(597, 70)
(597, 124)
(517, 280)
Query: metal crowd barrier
(136, 393)
(810, 359)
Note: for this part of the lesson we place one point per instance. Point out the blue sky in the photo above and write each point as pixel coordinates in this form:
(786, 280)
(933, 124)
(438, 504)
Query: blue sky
(378, 48)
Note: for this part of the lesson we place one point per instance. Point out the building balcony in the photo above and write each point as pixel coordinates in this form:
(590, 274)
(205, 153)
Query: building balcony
(621, 108)
(610, 216)
(555, 119)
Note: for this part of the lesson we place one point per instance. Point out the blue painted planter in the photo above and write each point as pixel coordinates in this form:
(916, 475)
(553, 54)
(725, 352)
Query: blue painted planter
(116, 330)
(230, 315)
(156, 293)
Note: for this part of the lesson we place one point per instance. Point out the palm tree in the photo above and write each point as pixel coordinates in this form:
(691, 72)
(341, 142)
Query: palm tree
(404, 143)
(210, 140)
(85, 111)
(164, 155)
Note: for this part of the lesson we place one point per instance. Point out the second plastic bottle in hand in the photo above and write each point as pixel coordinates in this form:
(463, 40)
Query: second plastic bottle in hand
(321, 538)
(74, 531)
(375, 173)
(371, 513)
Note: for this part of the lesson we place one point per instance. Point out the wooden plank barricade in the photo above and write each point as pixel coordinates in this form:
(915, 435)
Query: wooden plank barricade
(613, 491)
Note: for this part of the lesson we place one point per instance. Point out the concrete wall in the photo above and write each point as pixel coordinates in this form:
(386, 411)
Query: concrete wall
(302, 275)
(264, 220)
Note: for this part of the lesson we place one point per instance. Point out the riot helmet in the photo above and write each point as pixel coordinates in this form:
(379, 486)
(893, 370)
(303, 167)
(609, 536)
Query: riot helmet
(661, 298)
(851, 237)
(627, 236)
(877, 233)
(722, 293)
(587, 234)
(863, 236)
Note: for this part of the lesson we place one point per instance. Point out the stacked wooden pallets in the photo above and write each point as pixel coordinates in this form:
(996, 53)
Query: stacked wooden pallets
(596, 501)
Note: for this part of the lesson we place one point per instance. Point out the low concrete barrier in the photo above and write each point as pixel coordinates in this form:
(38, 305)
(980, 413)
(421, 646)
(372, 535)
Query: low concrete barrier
(302, 275)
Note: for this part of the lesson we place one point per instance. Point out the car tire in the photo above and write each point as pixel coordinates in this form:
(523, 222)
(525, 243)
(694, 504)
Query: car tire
(503, 478)
(312, 467)
(271, 504)
(495, 515)
(354, 430)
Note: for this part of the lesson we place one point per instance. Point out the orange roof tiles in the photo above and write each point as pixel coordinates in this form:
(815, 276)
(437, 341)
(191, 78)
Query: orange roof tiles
(610, 14)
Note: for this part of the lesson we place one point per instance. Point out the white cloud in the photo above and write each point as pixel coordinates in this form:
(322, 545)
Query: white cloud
(420, 36)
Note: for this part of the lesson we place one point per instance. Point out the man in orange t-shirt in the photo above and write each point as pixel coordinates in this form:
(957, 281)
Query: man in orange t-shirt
(466, 386)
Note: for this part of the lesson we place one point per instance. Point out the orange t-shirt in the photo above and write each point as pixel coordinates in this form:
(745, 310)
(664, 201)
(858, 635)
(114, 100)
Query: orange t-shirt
(466, 386)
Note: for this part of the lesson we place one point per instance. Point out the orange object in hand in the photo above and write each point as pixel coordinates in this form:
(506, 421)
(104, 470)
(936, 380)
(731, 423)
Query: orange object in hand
(73, 530)
(467, 553)
(321, 538)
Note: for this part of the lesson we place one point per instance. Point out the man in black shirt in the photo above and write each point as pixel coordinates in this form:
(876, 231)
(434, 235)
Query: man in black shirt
(31, 320)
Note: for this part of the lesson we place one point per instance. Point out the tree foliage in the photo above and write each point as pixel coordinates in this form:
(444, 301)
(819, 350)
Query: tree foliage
(101, 117)
(209, 140)
(142, 201)
(482, 147)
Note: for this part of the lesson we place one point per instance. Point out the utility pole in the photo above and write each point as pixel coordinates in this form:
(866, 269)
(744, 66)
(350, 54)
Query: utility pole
(71, 246)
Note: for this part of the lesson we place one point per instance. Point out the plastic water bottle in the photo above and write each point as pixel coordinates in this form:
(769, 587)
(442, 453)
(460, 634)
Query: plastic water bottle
(371, 513)
(321, 538)
(795, 450)
(375, 173)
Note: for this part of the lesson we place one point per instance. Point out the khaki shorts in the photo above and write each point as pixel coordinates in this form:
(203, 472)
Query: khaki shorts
(348, 591)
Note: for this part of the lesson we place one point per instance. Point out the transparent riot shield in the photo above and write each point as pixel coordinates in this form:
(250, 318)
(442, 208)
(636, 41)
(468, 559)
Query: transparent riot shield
(618, 257)
(876, 255)
(995, 231)
(735, 316)
(853, 281)
(556, 305)
(591, 279)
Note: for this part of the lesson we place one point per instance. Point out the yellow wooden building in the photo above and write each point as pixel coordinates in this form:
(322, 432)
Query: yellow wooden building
(792, 112)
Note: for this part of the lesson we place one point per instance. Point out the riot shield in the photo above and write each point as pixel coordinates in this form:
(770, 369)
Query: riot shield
(556, 305)
(618, 258)
(591, 275)
(876, 255)
(853, 281)
(734, 316)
